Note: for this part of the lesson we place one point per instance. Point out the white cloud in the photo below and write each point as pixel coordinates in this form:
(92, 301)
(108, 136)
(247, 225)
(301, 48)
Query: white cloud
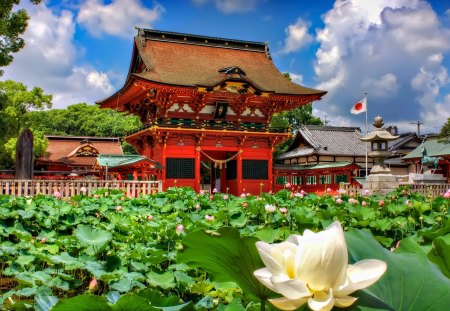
(394, 50)
(297, 36)
(231, 6)
(49, 60)
(118, 17)
(296, 78)
(387, 85)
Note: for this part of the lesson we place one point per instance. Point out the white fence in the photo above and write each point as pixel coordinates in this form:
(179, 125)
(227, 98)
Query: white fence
(68, 188)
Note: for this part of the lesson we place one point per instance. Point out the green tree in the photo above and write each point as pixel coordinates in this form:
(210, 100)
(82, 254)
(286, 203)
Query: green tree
(84, 120)
(12, 25)
(40, 144)
(444, 135)
(16, 101)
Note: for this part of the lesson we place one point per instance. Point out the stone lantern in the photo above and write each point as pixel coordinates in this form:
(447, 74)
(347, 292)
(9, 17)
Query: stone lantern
(380, 178)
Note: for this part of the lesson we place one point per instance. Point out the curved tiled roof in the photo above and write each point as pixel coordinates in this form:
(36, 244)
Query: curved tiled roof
(326, 140)
(189, 60)
(62, 148)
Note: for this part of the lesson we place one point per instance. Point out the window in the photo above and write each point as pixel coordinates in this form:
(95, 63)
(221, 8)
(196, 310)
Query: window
(255, 169)
(180, 168)
(340, 178)
(310, 180)
(325, 179)
(296, 180)
(281, 180)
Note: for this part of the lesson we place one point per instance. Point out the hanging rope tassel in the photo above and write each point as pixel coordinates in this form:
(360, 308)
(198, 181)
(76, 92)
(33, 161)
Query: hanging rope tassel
(221, 163)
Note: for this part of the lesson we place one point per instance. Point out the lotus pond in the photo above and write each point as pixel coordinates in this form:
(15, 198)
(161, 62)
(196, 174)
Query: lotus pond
(180, 250)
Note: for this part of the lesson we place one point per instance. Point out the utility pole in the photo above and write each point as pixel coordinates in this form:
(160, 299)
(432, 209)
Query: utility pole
(418, 123)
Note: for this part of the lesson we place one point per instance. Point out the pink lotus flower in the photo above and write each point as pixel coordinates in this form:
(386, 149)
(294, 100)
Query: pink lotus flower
(270, 208)
(381, 203)
(366, 192)
(214, 190)
(283, 210)
(83, 190)
(209, 218)
(363, 203)
(447, 195)
(243, 195)
(43, 240)
(122, 198)
(93, 285)
(150, 217)
(329, 190)
(179, 228)
(225, 197)
(57, 194)
(288, 185)
(197, 206)
(244, 205)
(119, 208)
(202, 192)
(299, 195)
(339, 201)
(211, 197)
(352, 201)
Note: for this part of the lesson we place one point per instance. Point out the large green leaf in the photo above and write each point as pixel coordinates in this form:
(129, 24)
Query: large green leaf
(164, 280)
(440, 253)
(82, 303)
(94, 239)
(227, 257)
(131, 302)
(411, 281)
(45, 303)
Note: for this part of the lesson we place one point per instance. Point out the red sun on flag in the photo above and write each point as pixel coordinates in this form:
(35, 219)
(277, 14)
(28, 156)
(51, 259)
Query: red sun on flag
(360, 106)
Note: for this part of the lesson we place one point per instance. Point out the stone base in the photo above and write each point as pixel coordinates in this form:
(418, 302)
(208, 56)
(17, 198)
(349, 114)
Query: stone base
(429, 179)
(381, 183)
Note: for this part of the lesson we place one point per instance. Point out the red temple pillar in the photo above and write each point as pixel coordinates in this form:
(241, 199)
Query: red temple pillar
(197, 169)
(270, 168)
(239, 184)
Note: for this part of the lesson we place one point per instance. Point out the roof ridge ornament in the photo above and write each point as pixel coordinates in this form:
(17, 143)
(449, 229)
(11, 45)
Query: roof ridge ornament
(233, 70)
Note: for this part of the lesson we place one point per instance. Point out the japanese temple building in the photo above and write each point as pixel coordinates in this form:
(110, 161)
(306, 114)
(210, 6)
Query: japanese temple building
(205, 104)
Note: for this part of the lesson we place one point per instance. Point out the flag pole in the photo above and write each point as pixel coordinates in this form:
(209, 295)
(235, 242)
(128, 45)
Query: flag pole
(366, 136)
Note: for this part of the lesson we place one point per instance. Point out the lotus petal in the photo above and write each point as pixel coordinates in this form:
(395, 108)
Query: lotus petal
(361, 275)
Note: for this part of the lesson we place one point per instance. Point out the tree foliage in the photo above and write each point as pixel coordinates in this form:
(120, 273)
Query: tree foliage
(84, 120)
(40, 144)
(16, 101)
(444, 135)
(12, 25)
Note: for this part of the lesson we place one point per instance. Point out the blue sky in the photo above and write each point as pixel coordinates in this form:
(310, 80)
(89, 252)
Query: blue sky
(396, 50)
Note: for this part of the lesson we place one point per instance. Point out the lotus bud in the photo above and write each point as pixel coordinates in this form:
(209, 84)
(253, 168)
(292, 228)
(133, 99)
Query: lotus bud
(93, 285)
(119, 208)
(150, 217)
(180, 228)
(43, 240)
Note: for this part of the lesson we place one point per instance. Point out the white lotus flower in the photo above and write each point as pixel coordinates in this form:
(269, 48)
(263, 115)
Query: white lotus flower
(313, 268)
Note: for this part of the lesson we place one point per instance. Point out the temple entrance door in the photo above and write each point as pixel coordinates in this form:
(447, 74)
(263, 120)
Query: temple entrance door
(217, 171)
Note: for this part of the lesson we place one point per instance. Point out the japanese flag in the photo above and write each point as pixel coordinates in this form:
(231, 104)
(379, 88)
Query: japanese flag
(360, 106)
